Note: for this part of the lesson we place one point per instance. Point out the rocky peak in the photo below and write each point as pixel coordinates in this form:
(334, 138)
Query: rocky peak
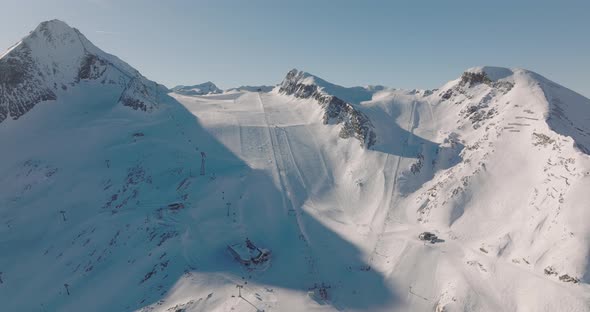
(55, 57)
(336, 111)
(497, 79)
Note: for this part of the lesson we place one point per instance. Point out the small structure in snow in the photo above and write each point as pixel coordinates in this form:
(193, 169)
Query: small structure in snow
(569, 279)
(427, 236)
(550, 271)
(175, 206)
(318, 292)
(248, 254)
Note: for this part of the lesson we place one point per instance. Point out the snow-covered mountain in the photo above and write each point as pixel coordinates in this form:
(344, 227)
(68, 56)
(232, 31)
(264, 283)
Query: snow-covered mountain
(200, 89)
(119, 196)
(55, 57)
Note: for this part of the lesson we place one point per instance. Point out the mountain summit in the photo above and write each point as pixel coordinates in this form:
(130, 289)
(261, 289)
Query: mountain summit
(55, 57)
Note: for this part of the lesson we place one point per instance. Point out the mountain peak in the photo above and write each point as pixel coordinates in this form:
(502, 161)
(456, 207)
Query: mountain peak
(495, 74)
(55, 33)
(55, 57)
(306, 78)
(54, 26)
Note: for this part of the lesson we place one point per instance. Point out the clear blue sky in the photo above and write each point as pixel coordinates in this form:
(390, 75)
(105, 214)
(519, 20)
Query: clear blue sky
(404, 44)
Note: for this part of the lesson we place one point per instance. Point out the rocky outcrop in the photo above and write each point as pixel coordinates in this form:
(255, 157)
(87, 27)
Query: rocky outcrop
(92, 67)
(474, 78)
(470, 79)
(474, 82)
(21, 84)
(139, 96)
(336, 111)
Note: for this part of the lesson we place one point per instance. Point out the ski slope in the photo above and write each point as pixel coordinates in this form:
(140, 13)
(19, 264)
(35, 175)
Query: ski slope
(372, 198)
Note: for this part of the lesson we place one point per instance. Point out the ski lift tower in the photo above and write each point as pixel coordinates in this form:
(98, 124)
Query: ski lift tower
(203, 156)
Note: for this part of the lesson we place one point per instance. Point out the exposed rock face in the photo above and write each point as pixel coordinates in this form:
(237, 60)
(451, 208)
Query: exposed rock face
(139, 95)
(21, 84)
(472, 78)
(336, 111)
(92, 67)
(478, 112)
(55, 57)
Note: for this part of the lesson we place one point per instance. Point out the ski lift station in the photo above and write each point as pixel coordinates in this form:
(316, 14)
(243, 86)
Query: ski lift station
(248, 254)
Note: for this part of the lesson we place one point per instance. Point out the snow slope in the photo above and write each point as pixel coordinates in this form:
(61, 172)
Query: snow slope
(457, 161)
(105, 207)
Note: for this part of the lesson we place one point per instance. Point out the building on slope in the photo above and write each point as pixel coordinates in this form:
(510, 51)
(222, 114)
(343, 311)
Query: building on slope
(249, 254)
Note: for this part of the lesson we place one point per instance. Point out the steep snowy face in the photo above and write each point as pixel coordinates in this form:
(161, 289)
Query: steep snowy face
(353, 122)
(200, 89)
(567, 113)
(524, 163)
(55, 57)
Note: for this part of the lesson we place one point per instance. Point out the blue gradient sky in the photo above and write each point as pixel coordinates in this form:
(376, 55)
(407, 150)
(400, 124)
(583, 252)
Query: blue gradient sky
(404, 44)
